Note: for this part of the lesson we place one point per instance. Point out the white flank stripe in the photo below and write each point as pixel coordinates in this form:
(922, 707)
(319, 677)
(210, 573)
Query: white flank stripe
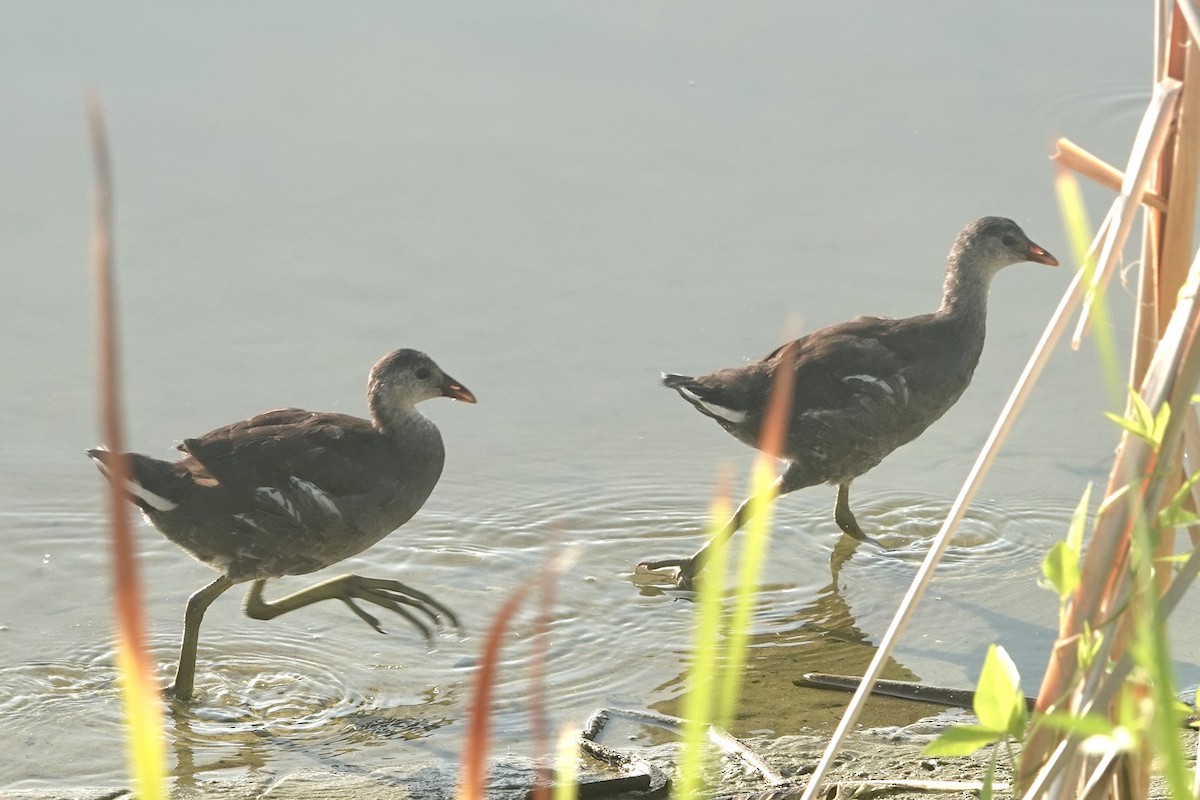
(155, 501)
(314, 491)
(247, 521)
(276, 497)
(882, 384)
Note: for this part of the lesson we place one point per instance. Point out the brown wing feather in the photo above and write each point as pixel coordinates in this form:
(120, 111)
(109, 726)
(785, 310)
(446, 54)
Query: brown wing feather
(336, 452)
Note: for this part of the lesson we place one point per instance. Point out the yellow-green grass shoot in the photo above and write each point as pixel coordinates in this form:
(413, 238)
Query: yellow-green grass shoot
(702, 675)
(708, 700)
(758, 533)
(566, 780)
(1079, 236)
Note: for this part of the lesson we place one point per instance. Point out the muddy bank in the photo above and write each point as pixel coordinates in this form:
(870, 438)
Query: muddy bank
(870, 758)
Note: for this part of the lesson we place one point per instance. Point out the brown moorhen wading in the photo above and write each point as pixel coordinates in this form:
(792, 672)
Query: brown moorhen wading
(862, 388)
(290, 492)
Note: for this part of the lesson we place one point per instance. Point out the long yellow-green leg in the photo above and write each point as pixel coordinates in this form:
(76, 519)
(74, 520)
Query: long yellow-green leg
(198, 603)
(392, 595)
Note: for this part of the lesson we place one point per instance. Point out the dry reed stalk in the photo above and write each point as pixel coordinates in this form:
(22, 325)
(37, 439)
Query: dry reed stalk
(1178, 167)
(1144, 337)
(1069, 155)
(1171, 379)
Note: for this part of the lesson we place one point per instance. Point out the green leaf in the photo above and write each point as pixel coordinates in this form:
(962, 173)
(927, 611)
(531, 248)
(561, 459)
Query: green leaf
(1061, 569)
(1132, 425)
(962, 740)
(1145, 417)
(1061, 565)
(1145, 424)
(1177, 517)
(1088, 647)
(1079, 520)
(999, 703)
(1161, 419)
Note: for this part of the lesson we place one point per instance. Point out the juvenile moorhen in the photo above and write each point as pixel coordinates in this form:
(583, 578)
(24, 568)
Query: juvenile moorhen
(290, 492)
(862, 388)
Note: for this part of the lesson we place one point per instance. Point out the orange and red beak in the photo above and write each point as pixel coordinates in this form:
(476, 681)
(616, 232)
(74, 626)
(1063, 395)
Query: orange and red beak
(1039, 255)
(456, 391)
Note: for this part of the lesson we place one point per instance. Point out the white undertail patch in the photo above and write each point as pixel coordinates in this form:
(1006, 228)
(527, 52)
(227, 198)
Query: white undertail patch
(155, 501)
(727, 414)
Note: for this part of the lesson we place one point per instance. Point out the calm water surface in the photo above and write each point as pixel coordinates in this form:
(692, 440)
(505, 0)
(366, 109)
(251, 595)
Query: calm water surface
(556, 201)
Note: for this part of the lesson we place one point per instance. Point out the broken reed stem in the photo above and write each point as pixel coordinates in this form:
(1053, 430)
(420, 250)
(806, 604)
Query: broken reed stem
(1147, 147)
(1071, 156)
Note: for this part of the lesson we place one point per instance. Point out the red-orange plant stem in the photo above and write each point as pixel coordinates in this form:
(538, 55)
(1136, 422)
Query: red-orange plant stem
(130, 620)
(780, 404)
(537, 669)
(479, 724)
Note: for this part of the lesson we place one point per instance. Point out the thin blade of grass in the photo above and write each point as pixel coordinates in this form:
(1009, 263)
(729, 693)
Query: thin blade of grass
(1079, 239)
(757, 539)
(566, 782)
(1148, 144)
(699, 701)
(143, 712)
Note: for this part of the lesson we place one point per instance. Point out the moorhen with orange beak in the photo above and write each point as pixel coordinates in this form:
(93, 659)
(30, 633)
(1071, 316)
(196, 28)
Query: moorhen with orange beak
(862, 388)
(290, 492)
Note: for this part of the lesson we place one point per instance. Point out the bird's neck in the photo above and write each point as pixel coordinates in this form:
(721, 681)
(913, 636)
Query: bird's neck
(964, 295)
(394, 419)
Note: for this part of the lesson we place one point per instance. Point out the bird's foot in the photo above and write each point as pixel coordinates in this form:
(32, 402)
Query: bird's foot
(844, 517)
(174, 693)
(678, 571)
(398, 597)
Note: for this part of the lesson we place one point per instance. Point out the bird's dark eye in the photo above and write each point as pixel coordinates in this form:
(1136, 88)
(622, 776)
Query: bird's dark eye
(422, 373)
(1009, 240)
